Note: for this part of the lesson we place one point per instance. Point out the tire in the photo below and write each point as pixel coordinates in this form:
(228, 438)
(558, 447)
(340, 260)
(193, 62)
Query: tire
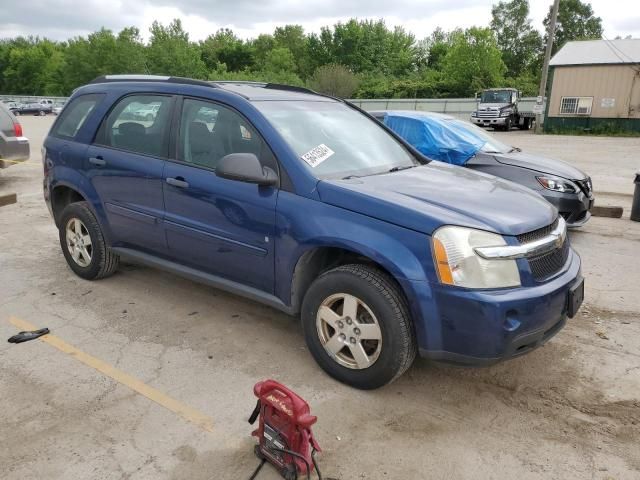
(42, 113)
(102, 262)
(507, 124)
(379, 303)
(16, 113)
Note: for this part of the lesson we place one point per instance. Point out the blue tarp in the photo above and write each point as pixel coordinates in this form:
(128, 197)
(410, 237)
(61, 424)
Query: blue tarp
(439, 138)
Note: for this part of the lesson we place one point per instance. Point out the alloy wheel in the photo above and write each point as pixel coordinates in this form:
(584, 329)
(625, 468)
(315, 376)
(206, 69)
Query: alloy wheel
(79, 242)
(349, 331)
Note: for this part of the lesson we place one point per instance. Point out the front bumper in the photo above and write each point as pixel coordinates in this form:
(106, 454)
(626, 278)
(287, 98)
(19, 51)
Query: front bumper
(482, 327)
(574, 208)
(488, 122)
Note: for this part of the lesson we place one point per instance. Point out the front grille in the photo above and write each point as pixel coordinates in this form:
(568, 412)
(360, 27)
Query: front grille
(537, 234)
(488, 113)
(586, 186)
(550, 263)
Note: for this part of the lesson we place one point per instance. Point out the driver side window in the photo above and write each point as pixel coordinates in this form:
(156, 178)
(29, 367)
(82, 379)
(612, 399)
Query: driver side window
(209, 131)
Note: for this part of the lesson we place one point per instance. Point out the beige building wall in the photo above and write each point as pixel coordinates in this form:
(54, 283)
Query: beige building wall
(603, 83)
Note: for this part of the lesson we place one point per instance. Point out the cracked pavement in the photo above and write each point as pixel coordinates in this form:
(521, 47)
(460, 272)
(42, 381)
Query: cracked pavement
(569, 410)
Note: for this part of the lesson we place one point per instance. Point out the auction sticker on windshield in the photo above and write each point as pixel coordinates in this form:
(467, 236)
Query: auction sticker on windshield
(317, 155)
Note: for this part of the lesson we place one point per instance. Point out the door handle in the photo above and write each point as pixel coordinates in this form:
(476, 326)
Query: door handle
(177, 182)
(97, 161)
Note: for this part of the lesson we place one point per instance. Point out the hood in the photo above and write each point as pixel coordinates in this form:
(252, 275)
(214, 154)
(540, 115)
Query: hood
(492, 106)
(541, 164)
(427, 197)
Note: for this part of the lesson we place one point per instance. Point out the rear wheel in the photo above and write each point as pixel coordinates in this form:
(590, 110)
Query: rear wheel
(357, 326)
(83, 243)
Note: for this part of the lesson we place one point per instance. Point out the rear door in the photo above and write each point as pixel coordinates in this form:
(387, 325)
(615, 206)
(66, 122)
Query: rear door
(125, 166)
(220, 226)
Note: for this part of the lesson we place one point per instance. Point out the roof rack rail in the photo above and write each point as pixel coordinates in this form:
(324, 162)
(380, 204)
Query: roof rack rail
(273, 86)
(238, 82)
(270, 86)
(150, 78)
(291, 88)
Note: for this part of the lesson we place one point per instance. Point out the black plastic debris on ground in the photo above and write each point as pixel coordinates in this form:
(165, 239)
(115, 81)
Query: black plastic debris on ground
(26, 336)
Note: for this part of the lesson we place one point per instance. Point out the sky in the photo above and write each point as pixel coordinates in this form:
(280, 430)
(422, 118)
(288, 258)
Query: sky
(62, 19)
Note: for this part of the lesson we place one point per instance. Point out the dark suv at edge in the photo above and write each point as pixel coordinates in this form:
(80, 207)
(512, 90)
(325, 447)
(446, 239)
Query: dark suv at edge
(307, 204)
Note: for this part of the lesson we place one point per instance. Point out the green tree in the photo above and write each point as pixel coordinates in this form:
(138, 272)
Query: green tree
(261, 46)
(335, 80)
(224, 47)
(294, 39)
(576, 21)
(130, 52)
(34, 67)
(365, 46)
(520, 44)
(437, 46)
(279, 59)
(472, 63)
(171, 53)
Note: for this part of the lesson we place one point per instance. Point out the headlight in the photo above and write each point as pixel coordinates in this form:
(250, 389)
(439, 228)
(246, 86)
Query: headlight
(558, 184)
(505, 113)
(458, 264)
(474, 114)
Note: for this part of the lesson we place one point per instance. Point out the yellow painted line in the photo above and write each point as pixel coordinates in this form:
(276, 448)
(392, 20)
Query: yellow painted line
(192, 415)
(21, 162)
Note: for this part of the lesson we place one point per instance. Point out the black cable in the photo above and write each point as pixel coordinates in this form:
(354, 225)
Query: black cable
(315, 464)
(255, 472)
(296, 454)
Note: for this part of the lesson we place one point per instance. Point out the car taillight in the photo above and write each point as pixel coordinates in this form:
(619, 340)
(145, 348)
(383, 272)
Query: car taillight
(17, 129)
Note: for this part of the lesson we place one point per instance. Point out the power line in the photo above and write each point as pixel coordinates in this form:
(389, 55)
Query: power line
(628, 62)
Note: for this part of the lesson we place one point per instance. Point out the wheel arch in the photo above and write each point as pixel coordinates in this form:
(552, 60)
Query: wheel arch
(321, 258)
(64, 191)
(61, 196)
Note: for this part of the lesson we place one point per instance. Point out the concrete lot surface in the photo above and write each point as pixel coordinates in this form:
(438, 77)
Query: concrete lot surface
(149, 376)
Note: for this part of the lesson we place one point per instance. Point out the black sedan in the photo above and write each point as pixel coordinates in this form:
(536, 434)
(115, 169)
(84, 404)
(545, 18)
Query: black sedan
(31, 109)
(445, 138)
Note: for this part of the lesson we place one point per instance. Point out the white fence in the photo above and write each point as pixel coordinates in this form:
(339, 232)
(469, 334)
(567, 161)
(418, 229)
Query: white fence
(30, 98)
(456, 107)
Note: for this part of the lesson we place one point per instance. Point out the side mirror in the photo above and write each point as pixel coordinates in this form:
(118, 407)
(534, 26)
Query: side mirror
(245, 167)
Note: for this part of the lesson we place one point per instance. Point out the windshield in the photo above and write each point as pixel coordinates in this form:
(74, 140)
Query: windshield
(496, 96)
(491, 144)
(334, 140)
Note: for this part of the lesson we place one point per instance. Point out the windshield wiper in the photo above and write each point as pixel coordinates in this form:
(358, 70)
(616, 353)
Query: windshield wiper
(515, 149)
(397, 169)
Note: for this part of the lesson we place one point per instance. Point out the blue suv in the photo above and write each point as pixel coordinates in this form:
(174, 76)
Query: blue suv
(305, 203)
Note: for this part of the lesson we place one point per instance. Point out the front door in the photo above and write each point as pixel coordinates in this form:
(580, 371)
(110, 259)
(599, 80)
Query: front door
(220, 226)
(125, 166)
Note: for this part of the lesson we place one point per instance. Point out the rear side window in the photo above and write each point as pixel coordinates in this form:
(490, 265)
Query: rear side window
(74, 115)
(140, 124)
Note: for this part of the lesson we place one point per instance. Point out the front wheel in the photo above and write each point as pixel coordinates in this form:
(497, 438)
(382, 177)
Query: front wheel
(83, 243)
(357, 326)
(42, 113)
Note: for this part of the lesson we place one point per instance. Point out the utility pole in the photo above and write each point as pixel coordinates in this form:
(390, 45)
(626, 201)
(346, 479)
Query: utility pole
(547, 56)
